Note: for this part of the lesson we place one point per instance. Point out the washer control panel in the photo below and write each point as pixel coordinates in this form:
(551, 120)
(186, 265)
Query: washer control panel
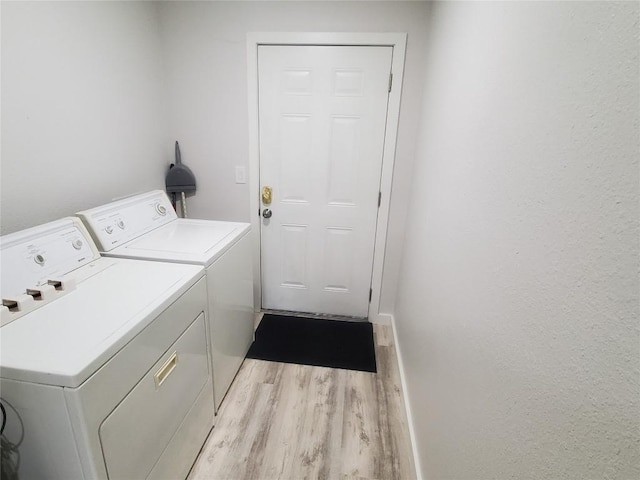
(116, 223)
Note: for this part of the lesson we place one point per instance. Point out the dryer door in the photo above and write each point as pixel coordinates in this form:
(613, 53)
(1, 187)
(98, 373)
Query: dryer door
(135, 434)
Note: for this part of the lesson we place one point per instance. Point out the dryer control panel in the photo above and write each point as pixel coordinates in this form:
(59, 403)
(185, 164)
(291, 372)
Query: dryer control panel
(37, 265)
(116, 223)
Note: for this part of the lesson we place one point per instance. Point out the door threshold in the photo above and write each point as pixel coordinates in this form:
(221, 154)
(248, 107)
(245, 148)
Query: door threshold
(323, 316)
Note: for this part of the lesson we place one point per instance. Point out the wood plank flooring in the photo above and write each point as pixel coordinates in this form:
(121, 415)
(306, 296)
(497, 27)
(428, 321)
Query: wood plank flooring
(290, 422)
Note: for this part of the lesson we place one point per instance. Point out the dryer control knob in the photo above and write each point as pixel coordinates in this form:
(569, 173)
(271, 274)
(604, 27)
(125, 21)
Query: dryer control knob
(120, 224)
(39, 259)
(77, 244)
(161, 209)
(109, 229)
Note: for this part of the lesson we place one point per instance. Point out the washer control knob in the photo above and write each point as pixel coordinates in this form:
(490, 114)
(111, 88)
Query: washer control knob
(109, 229)
(77, 244)
(120, 224)
(161, 209)
(39, 259)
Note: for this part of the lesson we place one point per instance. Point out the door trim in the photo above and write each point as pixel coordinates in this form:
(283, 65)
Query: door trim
(396, 40)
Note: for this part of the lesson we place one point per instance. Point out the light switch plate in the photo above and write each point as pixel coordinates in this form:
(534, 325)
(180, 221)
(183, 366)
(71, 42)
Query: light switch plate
(241, 175)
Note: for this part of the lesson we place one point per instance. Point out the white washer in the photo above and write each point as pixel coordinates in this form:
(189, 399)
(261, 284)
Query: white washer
(146, 227)
(104, 370)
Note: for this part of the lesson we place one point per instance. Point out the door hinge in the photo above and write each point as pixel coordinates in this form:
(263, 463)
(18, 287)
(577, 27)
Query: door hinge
(379, 199)
(390, 81)
(370, 294)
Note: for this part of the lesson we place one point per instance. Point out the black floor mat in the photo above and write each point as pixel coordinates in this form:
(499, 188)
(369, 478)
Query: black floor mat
(312, 341)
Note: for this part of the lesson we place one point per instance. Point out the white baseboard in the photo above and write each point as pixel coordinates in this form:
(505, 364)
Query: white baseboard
(405, 391)
(257, 318)
(381, 318)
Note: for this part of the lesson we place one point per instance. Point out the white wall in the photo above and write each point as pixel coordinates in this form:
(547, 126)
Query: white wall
(517, 309)
(205, 52)
(82, 107)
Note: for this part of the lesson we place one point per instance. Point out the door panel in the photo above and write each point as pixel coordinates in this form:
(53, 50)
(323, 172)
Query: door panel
(295, 156)
(342, 180)
(294, 263)
(322, 118)
(339, 242)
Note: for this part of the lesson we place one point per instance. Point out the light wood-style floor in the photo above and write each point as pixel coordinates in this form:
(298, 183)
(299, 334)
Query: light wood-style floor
(290, 422)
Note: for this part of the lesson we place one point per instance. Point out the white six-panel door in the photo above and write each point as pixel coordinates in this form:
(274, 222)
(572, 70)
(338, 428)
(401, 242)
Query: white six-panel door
(322, 117)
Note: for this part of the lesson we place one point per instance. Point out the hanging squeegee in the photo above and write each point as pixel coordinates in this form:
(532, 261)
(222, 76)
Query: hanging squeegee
(180, 179)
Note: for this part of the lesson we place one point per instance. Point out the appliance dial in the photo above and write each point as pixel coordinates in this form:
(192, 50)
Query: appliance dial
(109, 229)
(77, 244)
(161, 209)
(120, 224)
(39, 259)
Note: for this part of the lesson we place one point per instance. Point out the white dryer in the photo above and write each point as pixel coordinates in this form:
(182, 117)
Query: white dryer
(104, 372)
(146, 227)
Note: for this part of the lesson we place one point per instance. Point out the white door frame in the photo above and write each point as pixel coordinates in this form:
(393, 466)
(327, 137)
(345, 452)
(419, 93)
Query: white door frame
(396, 40)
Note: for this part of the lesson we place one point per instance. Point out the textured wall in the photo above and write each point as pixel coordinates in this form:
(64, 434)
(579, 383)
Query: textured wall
(518, 303)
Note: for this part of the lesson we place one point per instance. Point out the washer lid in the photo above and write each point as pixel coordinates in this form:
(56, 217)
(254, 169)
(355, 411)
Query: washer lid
(65, 341)
(198, 242)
